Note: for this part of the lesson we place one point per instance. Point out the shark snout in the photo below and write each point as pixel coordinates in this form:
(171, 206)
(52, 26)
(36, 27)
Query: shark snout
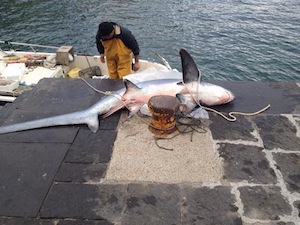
(227, 97)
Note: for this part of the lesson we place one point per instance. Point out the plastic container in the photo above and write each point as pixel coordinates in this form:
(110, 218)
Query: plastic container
(8, 85)
(74, 73)
(90, 72)
(14, 71)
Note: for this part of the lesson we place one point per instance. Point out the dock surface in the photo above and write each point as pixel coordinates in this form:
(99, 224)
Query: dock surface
(244, 172)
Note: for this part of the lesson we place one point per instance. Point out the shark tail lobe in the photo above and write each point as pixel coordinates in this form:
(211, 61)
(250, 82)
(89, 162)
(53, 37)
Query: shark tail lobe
(82, 117)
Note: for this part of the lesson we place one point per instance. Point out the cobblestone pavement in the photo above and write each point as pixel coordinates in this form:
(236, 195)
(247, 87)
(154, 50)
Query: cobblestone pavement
(52, 176)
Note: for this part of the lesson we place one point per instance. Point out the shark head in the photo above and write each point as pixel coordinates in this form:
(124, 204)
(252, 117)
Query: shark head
(211, 94)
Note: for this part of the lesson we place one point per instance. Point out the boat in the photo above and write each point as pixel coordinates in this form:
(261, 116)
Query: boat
(21, 70)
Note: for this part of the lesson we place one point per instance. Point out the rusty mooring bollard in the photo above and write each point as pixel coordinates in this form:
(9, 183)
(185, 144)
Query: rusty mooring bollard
(163, 109)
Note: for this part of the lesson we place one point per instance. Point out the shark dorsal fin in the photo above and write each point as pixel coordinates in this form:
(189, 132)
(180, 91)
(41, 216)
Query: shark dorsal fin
(189, 68)
(130, 86)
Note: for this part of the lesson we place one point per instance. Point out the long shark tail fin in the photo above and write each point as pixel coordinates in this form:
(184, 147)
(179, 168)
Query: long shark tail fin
(72, 118)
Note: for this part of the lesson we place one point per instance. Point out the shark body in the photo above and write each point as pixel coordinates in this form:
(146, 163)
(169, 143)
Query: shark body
(134, 96)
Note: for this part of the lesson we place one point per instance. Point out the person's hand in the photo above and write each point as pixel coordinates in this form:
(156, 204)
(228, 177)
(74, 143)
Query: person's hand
(136, 66)
(102, 58)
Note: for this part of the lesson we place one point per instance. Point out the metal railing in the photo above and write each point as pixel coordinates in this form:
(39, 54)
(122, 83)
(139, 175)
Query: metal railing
(28, 45)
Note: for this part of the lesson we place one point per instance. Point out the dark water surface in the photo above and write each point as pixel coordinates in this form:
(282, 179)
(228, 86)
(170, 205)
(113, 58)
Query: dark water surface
(229, 39)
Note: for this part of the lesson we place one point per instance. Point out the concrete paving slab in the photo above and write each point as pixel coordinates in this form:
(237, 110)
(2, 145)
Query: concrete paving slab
(61, 95)
(111, 122)
(25, 221)
(289, 166)
(91, 147)
(27, 172)
(207, 206)
(152, 204)
(137, 158)
(241, 129)
(246, 163)
(76, 172)
(277, 132)
(262, 202)
(297, 206)
(83, 222)
(85, 201)
(270, 223)
(7, 110)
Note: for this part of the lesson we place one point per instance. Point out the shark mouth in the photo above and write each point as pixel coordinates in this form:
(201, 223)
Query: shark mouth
(229, 98)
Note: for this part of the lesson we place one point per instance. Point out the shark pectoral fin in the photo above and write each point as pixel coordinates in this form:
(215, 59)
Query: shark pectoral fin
(133, 110)
(93, 123)
(120, 106)
(187, 103)
(115, 109)
(145, 110)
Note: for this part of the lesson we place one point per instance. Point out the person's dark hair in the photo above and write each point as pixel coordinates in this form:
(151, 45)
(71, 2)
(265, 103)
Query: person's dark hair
(105, 28)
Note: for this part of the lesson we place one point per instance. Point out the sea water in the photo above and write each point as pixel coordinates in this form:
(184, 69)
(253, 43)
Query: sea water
(256, 40)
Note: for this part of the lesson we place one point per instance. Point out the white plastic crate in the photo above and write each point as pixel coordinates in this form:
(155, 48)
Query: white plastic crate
(8, 85)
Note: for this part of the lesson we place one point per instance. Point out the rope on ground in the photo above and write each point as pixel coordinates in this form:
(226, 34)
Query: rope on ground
(184, 125)
(231, 117)
(95, 89)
